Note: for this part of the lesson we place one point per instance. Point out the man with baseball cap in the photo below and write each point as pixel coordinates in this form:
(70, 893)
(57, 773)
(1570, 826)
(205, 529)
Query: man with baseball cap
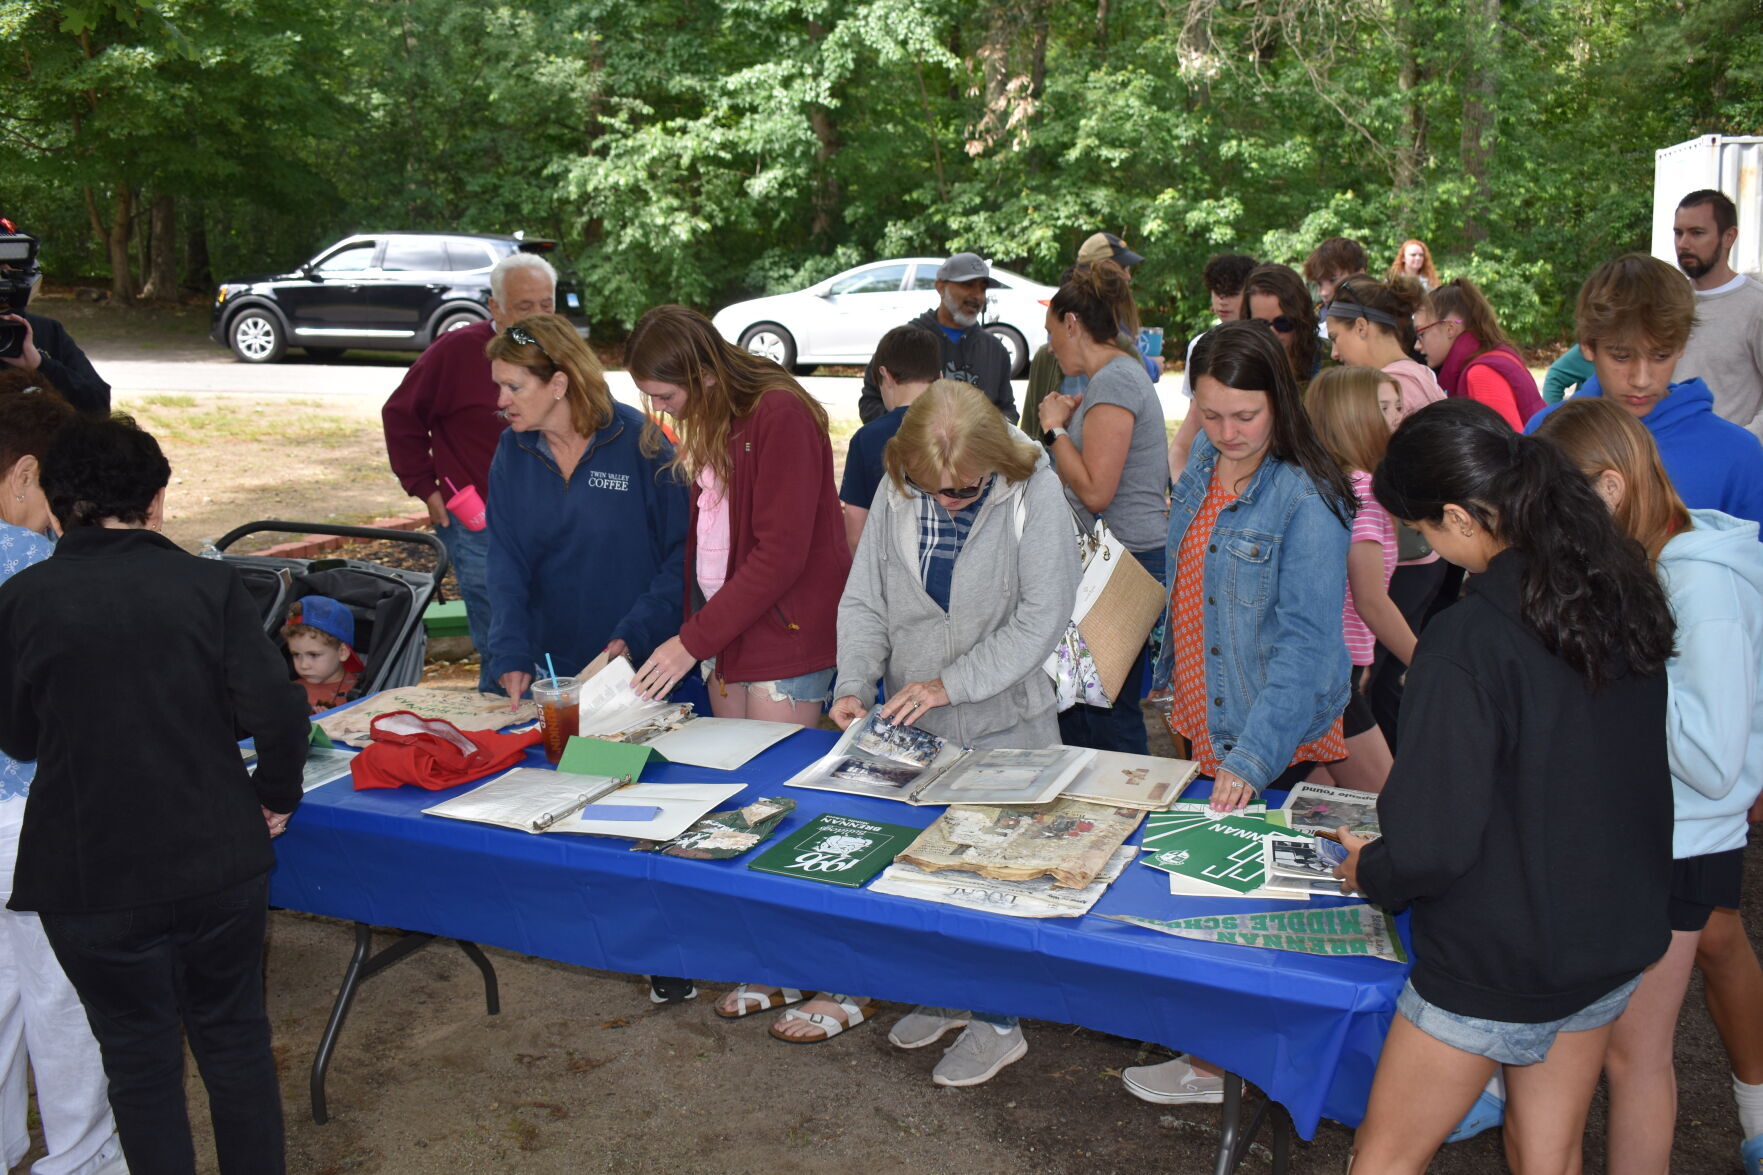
(969, 353)
(1107, 247)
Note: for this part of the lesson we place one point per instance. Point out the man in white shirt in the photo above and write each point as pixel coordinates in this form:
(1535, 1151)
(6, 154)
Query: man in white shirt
(1726, 347)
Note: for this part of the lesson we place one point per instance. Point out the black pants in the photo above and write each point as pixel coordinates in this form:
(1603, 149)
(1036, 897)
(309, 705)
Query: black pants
(1413, 589)
(148, 972)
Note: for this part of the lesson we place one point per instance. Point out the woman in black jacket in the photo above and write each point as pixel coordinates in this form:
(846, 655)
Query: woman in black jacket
(1527, 820)
(130, 670)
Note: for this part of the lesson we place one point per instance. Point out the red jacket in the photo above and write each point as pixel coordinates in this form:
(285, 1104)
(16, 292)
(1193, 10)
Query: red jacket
(776, 615)
(442, 422)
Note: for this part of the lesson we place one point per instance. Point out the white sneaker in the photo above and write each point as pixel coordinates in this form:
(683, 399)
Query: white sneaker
(1173, 1083)
(977, 1055)
(926, 1025)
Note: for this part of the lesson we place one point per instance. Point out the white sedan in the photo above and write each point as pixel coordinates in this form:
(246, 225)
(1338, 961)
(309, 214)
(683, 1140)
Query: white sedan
(841, 319)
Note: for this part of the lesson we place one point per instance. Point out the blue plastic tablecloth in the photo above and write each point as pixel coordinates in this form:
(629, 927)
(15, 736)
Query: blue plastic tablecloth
(1305, 1029)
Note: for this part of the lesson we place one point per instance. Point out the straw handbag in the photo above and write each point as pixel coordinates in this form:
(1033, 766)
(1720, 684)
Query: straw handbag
(1118, 603)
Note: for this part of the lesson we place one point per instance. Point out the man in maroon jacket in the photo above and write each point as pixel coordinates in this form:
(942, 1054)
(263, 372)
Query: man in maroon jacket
(441, 426)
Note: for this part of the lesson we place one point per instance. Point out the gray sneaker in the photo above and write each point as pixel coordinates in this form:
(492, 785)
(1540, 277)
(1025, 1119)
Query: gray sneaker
(978, 1054)
(1173, 1083)
(925, 1025)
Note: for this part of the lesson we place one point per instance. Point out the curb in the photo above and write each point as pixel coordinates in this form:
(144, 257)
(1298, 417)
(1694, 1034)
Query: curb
(314, 545)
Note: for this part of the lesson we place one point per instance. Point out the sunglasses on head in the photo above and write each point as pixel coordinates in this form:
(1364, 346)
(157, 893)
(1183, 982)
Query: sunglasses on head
(964, 494)
(526, 338)
(1282, 324)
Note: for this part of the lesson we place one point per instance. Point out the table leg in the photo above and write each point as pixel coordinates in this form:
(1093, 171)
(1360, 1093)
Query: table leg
(363, 965)
(1235, 1137)
(492, 1000)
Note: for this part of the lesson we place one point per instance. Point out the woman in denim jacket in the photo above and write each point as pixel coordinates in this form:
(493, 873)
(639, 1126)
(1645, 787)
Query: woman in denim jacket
(1253, 658)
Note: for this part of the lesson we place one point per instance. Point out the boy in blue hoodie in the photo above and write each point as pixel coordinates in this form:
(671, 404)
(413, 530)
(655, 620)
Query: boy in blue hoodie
(1635, 315)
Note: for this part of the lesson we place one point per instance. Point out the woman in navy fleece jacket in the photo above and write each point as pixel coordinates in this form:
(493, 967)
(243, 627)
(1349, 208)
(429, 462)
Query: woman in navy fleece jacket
(587, 531)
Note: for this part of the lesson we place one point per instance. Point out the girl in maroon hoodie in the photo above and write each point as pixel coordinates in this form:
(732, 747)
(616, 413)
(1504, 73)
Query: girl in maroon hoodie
(766, 561)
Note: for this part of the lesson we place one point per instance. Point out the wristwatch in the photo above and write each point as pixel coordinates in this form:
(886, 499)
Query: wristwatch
(1053, 434)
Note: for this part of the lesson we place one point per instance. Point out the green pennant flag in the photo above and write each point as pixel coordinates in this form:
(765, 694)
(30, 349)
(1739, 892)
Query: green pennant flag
(597, 756)
(1360, 930)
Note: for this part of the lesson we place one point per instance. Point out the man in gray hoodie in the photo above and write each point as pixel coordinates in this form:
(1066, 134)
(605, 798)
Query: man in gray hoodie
(969, 353)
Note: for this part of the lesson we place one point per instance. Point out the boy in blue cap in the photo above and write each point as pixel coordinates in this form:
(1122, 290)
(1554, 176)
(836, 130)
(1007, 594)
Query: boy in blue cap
(321, 636)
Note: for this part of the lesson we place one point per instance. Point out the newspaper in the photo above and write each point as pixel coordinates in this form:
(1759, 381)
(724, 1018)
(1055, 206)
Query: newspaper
(1070, 841)
(1040, 898)
(1337, 930)
(467, 710)
(1316, 807)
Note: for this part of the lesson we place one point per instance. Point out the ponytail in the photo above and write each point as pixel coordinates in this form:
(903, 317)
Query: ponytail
(1460, 299)
(1100, 294)
(1587, 591)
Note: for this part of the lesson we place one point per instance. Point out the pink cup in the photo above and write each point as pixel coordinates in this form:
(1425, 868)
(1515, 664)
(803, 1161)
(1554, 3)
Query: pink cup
(468, 506)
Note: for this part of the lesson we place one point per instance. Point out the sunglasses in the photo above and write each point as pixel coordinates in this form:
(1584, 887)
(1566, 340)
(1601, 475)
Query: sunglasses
(964, 494)
(1282, 324)
(525, 338)
(1421, 330)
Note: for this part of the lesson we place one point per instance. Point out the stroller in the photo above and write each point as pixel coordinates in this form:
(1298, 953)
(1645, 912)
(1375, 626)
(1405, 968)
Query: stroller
(387, 602)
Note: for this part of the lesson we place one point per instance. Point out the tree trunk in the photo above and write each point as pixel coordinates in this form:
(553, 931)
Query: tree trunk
(198, 270)
(826, 181)
(116, 239)
(1411, 151)
(1475, 148)
(1037, 70)
(162, 254)
(1102, 30)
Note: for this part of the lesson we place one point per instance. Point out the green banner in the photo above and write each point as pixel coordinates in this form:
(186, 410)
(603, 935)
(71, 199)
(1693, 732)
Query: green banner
(1337, 930)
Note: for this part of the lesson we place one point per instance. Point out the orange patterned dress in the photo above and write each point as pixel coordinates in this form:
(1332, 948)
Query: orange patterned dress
(1187, 716)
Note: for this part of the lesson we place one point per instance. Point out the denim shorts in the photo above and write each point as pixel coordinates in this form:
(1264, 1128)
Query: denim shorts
(1502, 1040)
(814, 687)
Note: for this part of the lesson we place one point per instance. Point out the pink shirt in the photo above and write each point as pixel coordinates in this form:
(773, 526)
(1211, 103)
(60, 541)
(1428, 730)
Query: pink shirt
(1372, 524)
(713, 533)
(1416, 383)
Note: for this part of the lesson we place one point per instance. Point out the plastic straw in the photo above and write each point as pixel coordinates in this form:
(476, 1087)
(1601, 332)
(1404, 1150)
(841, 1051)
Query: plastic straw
(552, 669)
(451, 487)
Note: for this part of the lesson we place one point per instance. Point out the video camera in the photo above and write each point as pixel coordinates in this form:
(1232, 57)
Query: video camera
(18, 277)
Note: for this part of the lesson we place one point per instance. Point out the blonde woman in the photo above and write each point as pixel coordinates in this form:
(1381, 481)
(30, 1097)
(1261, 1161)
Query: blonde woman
(574, 501)
(963, 581)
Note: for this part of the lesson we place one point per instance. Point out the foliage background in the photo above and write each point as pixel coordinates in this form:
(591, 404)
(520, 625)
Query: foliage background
(706, 150)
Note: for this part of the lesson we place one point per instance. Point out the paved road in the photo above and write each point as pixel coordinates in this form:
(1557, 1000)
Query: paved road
(374, 379)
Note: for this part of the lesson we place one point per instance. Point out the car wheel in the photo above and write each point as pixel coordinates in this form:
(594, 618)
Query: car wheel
(1015, 344)
(257, 336)
(455, 322)
(770, 341)
(324, 354)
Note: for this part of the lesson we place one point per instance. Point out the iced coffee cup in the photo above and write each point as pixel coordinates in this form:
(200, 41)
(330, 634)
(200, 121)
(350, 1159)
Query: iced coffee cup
(560, 712)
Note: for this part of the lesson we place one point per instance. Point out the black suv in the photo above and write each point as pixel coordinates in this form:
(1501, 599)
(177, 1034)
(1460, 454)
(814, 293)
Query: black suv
(381, 291)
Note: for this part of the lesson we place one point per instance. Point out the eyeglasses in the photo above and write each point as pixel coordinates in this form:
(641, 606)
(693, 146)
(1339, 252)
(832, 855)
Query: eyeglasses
(964, 494)
(1282, 324)
(1421, 330)
(525, 338)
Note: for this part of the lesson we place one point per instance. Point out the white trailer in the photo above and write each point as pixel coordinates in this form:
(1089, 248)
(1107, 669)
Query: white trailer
(1732, 164)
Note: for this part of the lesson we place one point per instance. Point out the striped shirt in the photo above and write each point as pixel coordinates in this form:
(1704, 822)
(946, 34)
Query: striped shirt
(941, 535)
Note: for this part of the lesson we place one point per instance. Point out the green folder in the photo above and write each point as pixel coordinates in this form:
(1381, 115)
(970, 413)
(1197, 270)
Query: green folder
(597, 756)
(840, 850)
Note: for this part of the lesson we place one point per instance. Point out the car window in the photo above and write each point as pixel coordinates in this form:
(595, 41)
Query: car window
(350, 259)
(882, 279)
(464, 256)
(416, 253)
(925, 277)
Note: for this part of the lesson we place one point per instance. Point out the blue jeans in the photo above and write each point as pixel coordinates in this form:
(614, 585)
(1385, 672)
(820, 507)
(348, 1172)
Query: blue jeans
(468, 550)
(1120, 727)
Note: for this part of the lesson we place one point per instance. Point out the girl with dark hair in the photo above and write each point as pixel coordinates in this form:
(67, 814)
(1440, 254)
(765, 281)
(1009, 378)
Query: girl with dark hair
(145, 847)
(1107, 447)
(1712, 567)
(40, 1014)
(1460, 337)
(1276, 297)
(1371, 324)
(765, 563)
(1252, 659)
(1527, 821)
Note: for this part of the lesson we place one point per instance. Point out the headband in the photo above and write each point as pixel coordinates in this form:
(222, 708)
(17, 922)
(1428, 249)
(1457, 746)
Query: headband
(1339, 309)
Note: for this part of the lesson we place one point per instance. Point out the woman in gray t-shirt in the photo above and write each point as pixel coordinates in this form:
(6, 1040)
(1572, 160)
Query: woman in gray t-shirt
(1108, 447)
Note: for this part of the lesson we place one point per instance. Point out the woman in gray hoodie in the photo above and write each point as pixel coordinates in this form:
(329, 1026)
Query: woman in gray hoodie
(961, 586)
